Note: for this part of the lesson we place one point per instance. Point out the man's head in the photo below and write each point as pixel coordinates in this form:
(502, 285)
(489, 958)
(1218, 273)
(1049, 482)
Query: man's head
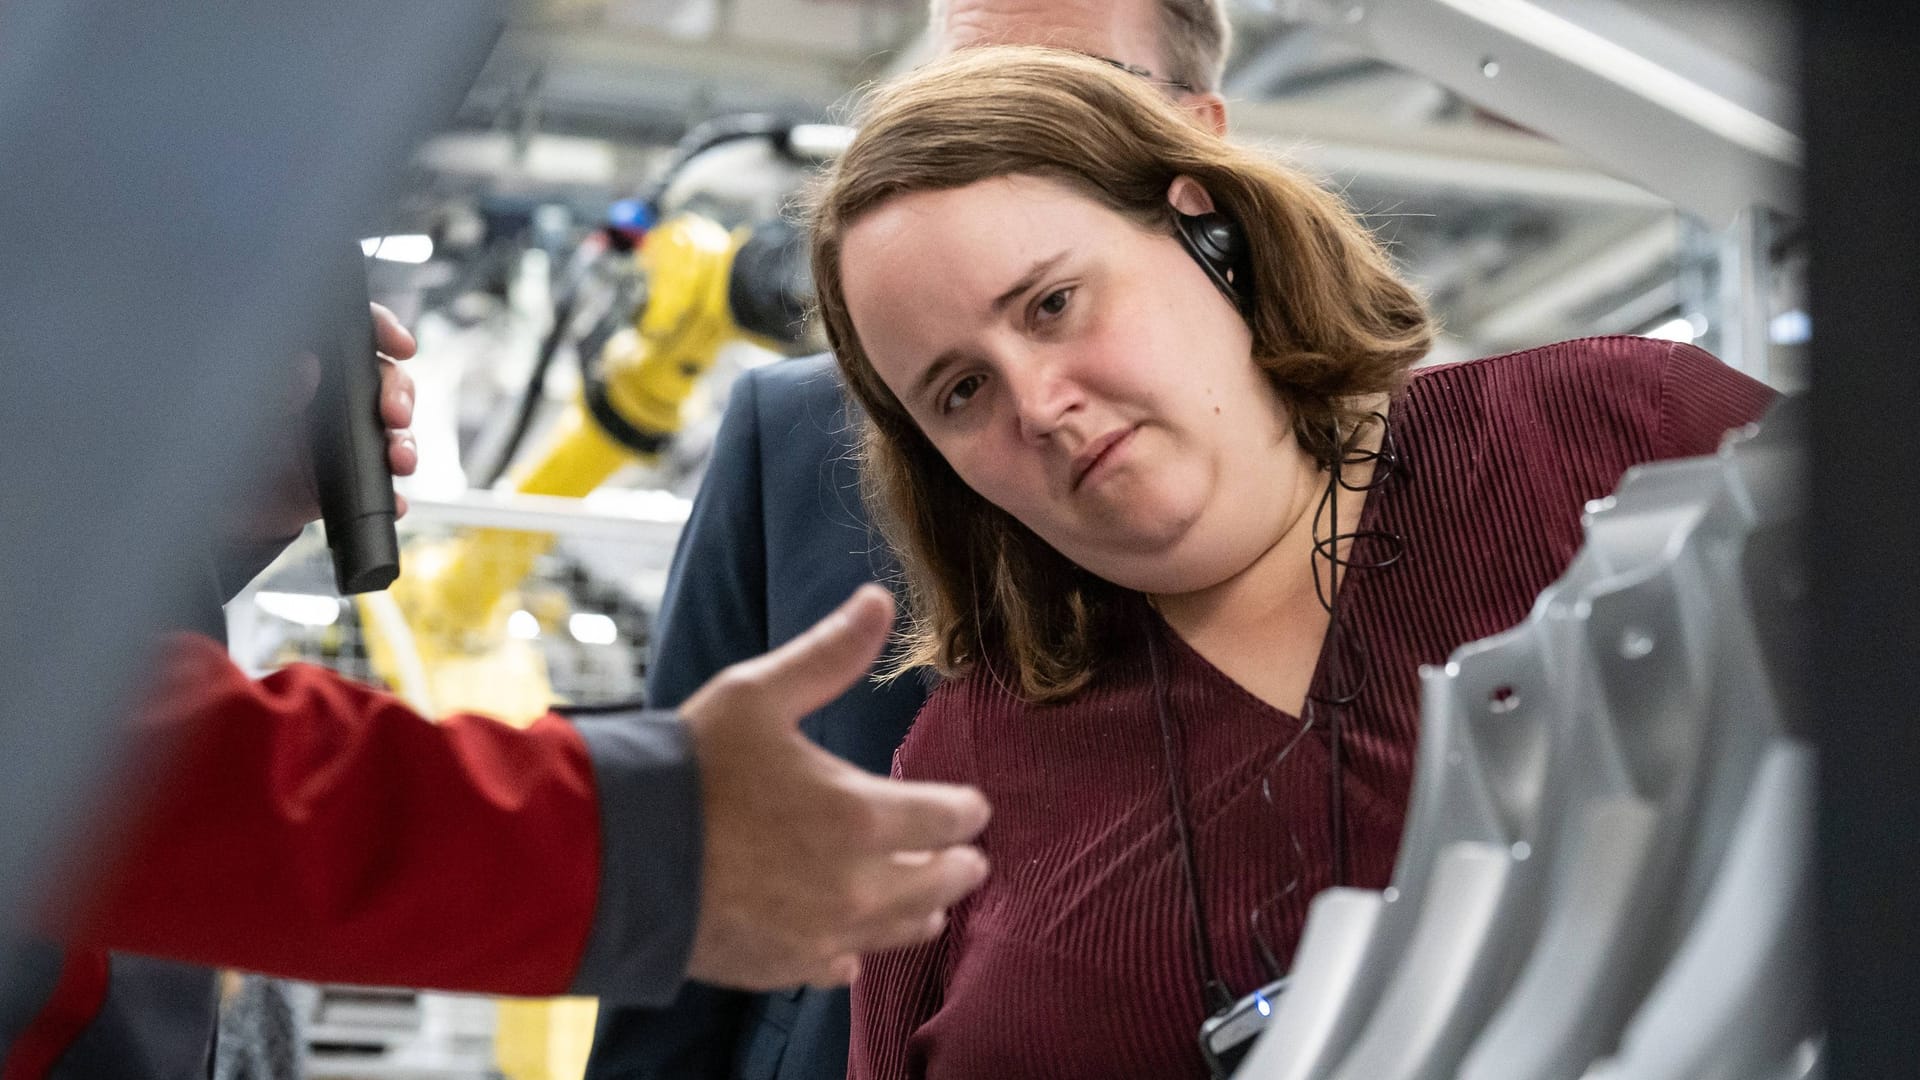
(1180, 43)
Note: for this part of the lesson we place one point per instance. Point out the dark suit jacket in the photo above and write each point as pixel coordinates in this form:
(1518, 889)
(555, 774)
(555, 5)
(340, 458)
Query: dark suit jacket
(777, 539)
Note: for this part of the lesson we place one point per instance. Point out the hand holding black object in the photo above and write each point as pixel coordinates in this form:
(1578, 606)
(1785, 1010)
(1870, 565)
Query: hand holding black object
(292, 499)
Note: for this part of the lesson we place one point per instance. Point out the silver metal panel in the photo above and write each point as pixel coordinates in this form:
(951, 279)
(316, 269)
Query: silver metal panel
(1315, 1022)
(1569, 982)
(1638, 98)
(1418, 1024)
(1737, 998)
(1618, 779)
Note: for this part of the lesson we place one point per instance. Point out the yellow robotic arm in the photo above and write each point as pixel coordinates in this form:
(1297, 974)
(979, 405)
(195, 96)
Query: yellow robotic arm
(439, 634)
(452, 594)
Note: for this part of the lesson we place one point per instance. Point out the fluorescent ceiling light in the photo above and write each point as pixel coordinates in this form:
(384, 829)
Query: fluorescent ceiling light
(306, 609)
(589, 628)
(1791, 328)
(403, 248)
(1674, 330)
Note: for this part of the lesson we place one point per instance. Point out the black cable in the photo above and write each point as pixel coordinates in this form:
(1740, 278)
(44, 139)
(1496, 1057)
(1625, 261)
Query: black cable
(1342, 651)
(587, 348)
(1387, 464)
(531, 393)
(1214, 995)
(716, 132)
(699, 140)
(1337, 765)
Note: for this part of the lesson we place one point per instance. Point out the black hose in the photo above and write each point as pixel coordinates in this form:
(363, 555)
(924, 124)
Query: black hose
(778, 318)
(536, 383)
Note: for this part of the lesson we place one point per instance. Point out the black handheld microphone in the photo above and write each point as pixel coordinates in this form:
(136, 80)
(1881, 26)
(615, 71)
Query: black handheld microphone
(349, 441)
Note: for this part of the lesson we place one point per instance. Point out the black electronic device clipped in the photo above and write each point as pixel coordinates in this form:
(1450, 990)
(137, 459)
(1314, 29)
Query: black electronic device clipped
(1227, 1037)
(349, 441)
(1219, 245)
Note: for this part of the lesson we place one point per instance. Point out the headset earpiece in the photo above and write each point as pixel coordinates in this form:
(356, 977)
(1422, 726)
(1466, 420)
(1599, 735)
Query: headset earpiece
(1217, 244)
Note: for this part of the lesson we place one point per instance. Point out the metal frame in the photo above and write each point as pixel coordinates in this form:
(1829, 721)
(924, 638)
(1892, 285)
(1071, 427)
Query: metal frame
(1597, 76)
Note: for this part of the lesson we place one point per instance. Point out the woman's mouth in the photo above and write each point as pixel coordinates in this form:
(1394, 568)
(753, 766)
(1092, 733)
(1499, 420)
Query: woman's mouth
(1095, 458)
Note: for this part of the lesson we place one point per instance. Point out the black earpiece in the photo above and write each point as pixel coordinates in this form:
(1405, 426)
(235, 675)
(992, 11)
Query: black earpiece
(1217, 244)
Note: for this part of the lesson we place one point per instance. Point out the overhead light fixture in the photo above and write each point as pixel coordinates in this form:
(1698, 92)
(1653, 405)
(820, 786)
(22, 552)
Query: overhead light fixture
(1674, 330)
(1793, 327)
(400, 248)
(307, 609)
(589, 628)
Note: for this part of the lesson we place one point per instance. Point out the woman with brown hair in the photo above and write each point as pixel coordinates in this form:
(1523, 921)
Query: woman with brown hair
(1179, 525)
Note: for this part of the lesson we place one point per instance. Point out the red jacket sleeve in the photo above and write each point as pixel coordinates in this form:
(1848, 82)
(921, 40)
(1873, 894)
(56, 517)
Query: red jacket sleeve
(307, 826)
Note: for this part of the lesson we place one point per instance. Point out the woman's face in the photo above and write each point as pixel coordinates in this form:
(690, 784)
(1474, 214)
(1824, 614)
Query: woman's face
(1080, 372)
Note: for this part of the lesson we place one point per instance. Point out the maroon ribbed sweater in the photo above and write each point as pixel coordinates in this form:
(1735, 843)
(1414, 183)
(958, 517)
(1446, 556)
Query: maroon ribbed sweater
(1075, 958)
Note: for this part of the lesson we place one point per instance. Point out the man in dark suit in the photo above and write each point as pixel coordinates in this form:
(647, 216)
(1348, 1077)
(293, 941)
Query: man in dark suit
(778, 537)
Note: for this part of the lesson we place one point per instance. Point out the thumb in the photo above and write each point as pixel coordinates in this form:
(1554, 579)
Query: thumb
(831, 656)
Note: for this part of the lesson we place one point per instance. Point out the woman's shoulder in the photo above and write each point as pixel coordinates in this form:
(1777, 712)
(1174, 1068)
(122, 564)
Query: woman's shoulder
(979, 723)
(1661, 398)
(940, 743)
(980, 690)
(1580, 363)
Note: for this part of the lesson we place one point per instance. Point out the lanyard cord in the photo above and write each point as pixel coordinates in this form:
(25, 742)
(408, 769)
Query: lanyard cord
(1340, 649)
(1337, 764)
(1214, 994)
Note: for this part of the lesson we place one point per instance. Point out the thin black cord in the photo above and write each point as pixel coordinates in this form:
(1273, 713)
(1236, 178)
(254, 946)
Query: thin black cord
(1337, 767)
(530, 394)
(1387, 464)
(1342, 652)
(1214, 995)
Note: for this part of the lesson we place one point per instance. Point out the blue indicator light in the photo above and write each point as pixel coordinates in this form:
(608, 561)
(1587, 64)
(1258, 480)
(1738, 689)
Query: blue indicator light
(1265, 1009)
(630, 214)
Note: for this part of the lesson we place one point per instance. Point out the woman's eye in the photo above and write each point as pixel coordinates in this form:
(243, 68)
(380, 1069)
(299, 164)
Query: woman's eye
(1054, 302)
(961, 393)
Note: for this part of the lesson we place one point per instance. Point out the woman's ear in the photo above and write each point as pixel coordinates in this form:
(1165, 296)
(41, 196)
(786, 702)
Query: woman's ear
(1188, 197)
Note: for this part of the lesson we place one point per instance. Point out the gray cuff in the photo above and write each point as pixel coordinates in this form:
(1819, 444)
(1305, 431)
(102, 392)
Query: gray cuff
(651, 833)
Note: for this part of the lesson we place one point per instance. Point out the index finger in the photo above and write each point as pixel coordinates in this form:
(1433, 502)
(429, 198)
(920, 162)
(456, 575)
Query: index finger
(911, 815)
(389, 336)
(918, 889)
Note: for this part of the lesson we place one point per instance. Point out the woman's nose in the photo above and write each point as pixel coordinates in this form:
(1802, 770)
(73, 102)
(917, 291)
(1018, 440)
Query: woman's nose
(1045, 396)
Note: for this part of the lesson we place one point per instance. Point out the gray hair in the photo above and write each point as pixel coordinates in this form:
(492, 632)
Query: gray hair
(1194, 39)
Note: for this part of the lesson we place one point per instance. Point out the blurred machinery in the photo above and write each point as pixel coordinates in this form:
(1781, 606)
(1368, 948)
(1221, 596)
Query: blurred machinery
(687, 285)
(701, 259)
(504, 604)
(646, 304)
(1692, 102)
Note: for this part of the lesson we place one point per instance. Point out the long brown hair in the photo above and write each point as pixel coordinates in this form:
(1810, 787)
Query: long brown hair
(1331, 323)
